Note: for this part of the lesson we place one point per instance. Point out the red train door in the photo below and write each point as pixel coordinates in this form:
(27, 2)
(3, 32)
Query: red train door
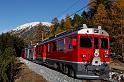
(104, 49)
(34, 53)
(86, 49)
(44, 53)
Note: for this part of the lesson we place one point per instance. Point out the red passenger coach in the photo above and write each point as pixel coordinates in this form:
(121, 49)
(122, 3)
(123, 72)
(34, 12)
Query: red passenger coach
(29, 53)
(83, 53)
(41, 53)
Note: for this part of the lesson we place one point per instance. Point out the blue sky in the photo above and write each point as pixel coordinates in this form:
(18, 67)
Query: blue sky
(16, 12)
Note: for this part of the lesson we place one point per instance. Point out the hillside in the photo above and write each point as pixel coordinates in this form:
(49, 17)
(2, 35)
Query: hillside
(28, 30)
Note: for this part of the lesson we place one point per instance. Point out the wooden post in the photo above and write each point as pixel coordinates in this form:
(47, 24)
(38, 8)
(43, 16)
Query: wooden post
(122, 28)
(42, 35)
(123, 51)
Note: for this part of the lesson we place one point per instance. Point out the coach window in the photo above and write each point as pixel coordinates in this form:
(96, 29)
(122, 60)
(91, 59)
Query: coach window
(104, 43)
(61, 45)
(53, 46)
(42, 48)
(48, 47)
(38, 49)
(72, 42)
(85, 42)
(96, 42)
(70, 45)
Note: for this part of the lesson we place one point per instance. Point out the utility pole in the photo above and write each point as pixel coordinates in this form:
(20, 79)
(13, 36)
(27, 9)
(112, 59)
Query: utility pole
(122, 42)
(42, 36)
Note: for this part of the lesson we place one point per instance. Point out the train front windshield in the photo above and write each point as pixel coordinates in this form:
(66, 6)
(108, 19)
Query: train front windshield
(104, 43)
(85, 42)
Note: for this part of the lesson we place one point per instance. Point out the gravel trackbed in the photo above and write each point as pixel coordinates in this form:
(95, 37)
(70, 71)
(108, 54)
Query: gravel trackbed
(49, 74)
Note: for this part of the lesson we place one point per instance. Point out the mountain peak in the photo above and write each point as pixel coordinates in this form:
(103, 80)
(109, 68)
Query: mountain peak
(30, 25)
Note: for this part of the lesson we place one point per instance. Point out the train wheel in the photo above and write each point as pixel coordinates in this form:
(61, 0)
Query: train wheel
(61, 67)
(66, 70)
(71, 72)
(55, 66)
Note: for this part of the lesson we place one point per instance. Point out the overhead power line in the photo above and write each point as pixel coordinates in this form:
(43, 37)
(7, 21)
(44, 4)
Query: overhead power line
(69, 7)
(77, 10)
(81, 9)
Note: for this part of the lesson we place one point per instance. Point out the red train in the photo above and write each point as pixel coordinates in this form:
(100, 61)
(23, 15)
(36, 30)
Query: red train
(83, 53)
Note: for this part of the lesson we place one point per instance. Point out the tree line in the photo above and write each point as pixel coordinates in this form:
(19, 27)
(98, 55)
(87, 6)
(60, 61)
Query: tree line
(10, 48)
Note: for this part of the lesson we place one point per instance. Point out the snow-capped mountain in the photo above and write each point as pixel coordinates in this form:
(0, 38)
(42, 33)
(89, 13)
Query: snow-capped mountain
(28, 30)
(30, 25)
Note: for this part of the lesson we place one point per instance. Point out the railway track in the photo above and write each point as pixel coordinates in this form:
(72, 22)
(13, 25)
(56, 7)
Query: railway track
(55, 76)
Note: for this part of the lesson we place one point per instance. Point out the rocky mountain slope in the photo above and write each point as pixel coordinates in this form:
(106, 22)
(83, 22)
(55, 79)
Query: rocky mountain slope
(26, 31)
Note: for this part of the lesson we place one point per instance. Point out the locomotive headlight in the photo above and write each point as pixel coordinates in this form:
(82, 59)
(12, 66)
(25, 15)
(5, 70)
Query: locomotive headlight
(106, 52)
(96, 52)
(83, 55)
(106, 56)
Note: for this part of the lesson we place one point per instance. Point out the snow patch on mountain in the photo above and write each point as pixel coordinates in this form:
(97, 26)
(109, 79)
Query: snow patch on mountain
(30, 25)
(24, 26)
(46, 23)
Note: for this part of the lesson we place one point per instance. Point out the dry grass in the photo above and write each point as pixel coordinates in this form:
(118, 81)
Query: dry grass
(26, 75)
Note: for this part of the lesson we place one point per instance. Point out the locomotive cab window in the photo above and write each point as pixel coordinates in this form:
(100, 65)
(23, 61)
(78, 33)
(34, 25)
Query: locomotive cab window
(42, 48)
(61, 45)
(38, 49)
(53, 46)
(85, 42)
(104, 43)
(70, 45)
(96, 42)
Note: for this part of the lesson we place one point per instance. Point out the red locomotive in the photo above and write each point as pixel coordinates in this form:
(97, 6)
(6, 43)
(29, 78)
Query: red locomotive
(83, 53)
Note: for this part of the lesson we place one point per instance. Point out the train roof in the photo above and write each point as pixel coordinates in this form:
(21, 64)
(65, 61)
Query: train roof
(80, 30)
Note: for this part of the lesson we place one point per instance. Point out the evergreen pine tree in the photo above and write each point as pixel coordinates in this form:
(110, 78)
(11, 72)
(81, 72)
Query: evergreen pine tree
(67, 24)
(59, 30)
(101, 17)
(76, 20)
(92, 8)
(55, 26)
(84, 18)
(55, 21)
(52, 32)
(62, 24)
